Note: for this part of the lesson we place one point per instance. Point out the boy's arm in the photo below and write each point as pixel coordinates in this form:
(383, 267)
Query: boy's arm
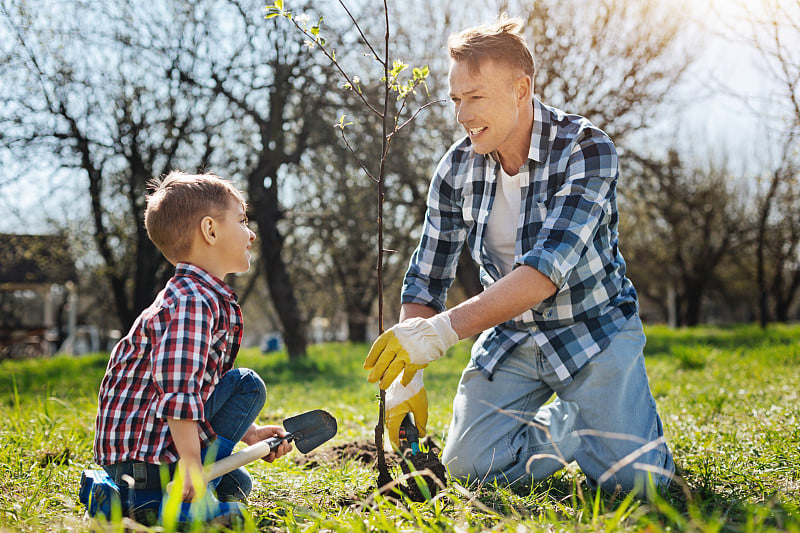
(187, 441)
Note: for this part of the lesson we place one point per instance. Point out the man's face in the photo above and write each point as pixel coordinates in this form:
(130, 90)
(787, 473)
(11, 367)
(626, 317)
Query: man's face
(488, 104)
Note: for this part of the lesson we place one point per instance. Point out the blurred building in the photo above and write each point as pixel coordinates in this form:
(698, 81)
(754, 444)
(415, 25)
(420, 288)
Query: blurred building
(38, 297)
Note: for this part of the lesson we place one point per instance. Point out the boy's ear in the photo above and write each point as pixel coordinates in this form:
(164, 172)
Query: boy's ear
(208, 230)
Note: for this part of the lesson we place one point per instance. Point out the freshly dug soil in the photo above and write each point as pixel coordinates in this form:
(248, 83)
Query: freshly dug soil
(435, 475)
(361, 451)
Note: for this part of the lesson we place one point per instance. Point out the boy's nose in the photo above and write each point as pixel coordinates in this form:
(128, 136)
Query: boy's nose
(252, 234)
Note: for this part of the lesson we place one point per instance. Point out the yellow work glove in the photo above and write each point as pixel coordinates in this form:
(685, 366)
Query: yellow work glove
(402, 399)
(407, 347)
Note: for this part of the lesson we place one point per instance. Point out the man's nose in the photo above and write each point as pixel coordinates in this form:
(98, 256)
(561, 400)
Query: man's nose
(463, 113)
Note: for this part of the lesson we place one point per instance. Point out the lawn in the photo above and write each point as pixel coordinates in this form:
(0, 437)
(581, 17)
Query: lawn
(728, 397)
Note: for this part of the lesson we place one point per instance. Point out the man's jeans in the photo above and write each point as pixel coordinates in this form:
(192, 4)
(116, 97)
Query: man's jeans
(605, 419)
(231, 409)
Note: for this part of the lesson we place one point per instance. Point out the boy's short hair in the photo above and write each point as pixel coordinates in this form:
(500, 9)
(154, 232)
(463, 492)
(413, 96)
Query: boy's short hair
(501, 41)
(177, 205)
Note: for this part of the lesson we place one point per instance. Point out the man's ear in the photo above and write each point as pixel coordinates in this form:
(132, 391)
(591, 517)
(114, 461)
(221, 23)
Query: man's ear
(208, 229)
(524, 88)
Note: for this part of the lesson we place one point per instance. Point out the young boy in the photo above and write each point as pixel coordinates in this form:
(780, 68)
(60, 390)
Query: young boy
(170, 390)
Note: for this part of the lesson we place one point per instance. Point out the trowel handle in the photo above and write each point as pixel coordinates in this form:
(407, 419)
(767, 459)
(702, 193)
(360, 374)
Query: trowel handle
(248, 455)
(409, 434)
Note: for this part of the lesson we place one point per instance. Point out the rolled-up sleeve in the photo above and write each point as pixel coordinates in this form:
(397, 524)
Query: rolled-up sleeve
(580, 206)
(433, 264)
(179, 359)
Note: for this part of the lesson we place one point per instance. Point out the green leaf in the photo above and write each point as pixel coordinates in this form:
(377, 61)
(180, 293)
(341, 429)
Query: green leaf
(420, 73)
(341, 124)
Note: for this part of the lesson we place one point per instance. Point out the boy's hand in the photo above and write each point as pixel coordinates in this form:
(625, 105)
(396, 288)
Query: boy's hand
(258, 433)
(192, 472)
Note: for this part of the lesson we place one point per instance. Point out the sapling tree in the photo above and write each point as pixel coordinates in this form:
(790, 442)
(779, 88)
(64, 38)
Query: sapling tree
(399, 82)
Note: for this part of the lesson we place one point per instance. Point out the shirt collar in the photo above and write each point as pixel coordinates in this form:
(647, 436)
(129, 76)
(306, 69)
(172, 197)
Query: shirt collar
(540, 134)
(195, 272)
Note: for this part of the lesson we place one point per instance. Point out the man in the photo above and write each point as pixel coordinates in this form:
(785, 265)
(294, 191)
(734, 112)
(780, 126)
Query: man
(532, 191)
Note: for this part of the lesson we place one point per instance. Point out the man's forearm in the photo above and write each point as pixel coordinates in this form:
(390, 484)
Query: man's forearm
(416, 310)
(509, 297)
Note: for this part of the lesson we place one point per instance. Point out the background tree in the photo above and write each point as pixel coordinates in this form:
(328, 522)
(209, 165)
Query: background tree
(692, 213)
(121, 92)
(276, 94)
(335, 215)
(90, 91)
(774, 32)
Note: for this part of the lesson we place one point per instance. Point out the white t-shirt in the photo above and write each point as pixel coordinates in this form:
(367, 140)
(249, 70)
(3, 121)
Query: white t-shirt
(504, 218)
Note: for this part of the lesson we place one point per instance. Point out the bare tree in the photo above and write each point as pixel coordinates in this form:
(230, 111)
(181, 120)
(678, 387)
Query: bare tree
(335, 213)
(614, 62)
(85, 94)
(775, 35)
(277, 94)
(126, 91)
(683, 221)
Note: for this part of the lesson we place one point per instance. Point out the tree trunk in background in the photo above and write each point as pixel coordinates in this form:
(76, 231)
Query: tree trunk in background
(262, 192)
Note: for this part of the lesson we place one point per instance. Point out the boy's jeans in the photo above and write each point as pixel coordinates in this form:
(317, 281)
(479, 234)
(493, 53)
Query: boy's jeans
(231, 409)
(603, 419)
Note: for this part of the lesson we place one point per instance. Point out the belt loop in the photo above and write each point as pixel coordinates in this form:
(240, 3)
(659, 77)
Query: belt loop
(140, 473)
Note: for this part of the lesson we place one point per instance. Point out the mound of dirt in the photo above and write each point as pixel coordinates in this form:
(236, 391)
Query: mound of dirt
(431, 469)
(361, 451)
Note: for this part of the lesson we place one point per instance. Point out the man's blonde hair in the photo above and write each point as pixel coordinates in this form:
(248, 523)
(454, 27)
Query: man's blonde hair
(177, 205)
(501, 41)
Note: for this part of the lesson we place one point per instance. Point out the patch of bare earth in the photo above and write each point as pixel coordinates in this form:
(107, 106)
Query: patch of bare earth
(425, 468)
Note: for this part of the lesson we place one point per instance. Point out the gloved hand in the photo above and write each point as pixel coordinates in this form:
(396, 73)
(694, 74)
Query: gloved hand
(402, 399)
(407, 347)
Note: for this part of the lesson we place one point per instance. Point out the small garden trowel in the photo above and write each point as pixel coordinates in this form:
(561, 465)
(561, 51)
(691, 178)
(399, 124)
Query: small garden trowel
(307, 431)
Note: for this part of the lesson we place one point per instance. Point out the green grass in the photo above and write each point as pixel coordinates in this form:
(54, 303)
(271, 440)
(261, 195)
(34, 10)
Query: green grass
(728, 397)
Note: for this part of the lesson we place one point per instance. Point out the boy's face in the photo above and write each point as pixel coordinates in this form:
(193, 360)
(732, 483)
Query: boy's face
(234, 239)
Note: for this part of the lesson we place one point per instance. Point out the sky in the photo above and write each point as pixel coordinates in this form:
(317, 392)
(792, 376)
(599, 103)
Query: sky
(712, 118)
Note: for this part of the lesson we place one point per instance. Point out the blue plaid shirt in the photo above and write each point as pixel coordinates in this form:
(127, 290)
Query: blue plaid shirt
(567, 231)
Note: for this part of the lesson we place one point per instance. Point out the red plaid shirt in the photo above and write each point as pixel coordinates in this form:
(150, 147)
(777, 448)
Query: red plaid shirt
(167, 367)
